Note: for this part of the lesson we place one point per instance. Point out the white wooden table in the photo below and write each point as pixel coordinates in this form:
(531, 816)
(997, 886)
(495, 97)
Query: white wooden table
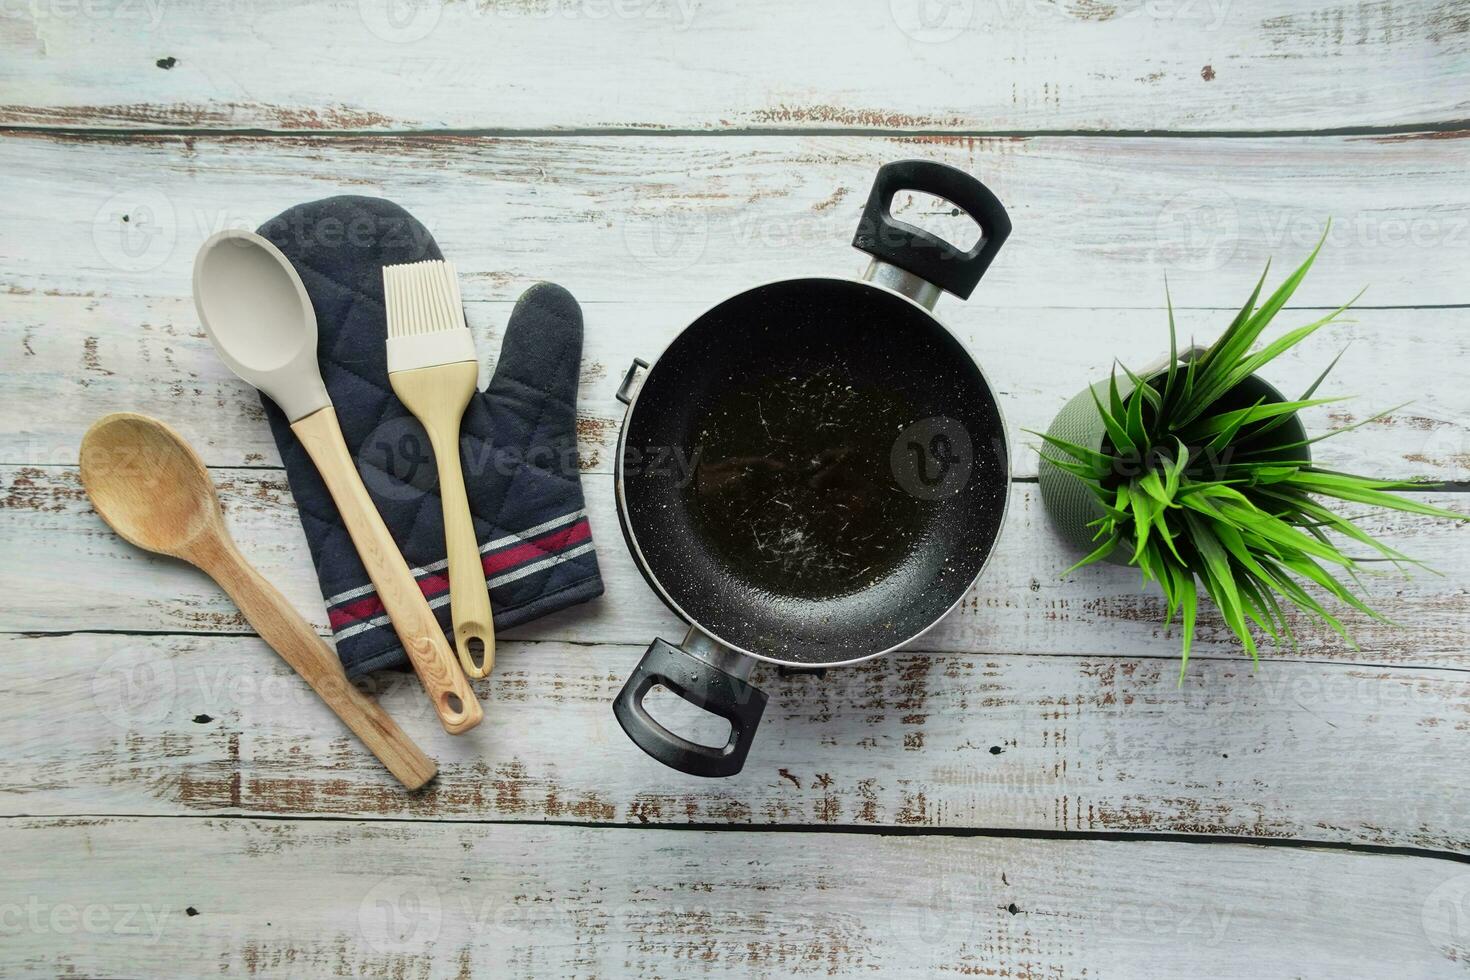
(1026, 792)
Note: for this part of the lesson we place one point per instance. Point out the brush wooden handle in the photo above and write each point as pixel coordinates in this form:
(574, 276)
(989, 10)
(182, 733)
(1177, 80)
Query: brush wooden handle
(282, 627)
(469, 594)
(453, 698)
(437, 396)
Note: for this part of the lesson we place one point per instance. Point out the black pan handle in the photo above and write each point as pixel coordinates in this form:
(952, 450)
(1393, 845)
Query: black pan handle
(625, 390)
(914, 249)
(703, 685)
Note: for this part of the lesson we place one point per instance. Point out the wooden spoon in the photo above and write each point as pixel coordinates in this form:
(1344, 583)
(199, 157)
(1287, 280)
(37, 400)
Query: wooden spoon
(152, 489)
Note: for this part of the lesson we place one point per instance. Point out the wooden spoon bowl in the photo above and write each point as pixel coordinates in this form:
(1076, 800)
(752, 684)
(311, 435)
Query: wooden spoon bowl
(149, 485)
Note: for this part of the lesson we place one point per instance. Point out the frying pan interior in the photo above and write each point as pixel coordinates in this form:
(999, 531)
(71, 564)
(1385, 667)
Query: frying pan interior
(814, 472)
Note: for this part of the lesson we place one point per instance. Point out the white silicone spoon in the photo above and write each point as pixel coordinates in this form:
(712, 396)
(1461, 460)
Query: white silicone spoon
(256, 312)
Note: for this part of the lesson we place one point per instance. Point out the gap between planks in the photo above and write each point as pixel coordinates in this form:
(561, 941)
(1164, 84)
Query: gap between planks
(511, 638)
(1429, 130)
(1428, 486)
(863, 830)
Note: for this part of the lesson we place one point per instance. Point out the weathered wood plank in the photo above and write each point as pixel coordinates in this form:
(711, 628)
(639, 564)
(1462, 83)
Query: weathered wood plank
(220, 725)
(1099, 222)
(651, 64)
(1020, 604)
(190, 898)
(82, 357)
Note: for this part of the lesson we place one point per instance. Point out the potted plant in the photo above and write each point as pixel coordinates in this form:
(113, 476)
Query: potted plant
(1199, 473)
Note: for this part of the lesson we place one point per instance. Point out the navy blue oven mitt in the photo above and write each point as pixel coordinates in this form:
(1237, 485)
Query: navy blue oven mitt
(518, 443)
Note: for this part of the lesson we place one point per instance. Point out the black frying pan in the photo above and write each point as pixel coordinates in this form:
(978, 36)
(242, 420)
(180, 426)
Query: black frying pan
(814, 472)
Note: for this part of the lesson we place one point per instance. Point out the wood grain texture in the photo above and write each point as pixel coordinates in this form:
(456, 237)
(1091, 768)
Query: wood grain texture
(1020, 604)
(746, 140)
(215, 725)
(85, 356)
(1098, 222)
(365, 899)
(686, 64)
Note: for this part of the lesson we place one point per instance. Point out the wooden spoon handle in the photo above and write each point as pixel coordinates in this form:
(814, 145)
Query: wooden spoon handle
(453, 698)
(281, 626)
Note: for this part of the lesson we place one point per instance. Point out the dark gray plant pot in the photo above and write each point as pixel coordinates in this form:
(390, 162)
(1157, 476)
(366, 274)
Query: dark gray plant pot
(1071, 506)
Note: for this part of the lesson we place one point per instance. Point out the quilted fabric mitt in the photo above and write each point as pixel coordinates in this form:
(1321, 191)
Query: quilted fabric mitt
(517, 444)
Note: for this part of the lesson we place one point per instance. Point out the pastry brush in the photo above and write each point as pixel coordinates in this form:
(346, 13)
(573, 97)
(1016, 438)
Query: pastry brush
(433, 369)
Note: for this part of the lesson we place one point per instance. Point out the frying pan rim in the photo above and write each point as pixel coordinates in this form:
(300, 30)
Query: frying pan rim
(631, 537)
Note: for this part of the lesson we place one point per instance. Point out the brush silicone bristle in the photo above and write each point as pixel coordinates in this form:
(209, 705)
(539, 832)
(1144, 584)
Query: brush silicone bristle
(425, 316)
